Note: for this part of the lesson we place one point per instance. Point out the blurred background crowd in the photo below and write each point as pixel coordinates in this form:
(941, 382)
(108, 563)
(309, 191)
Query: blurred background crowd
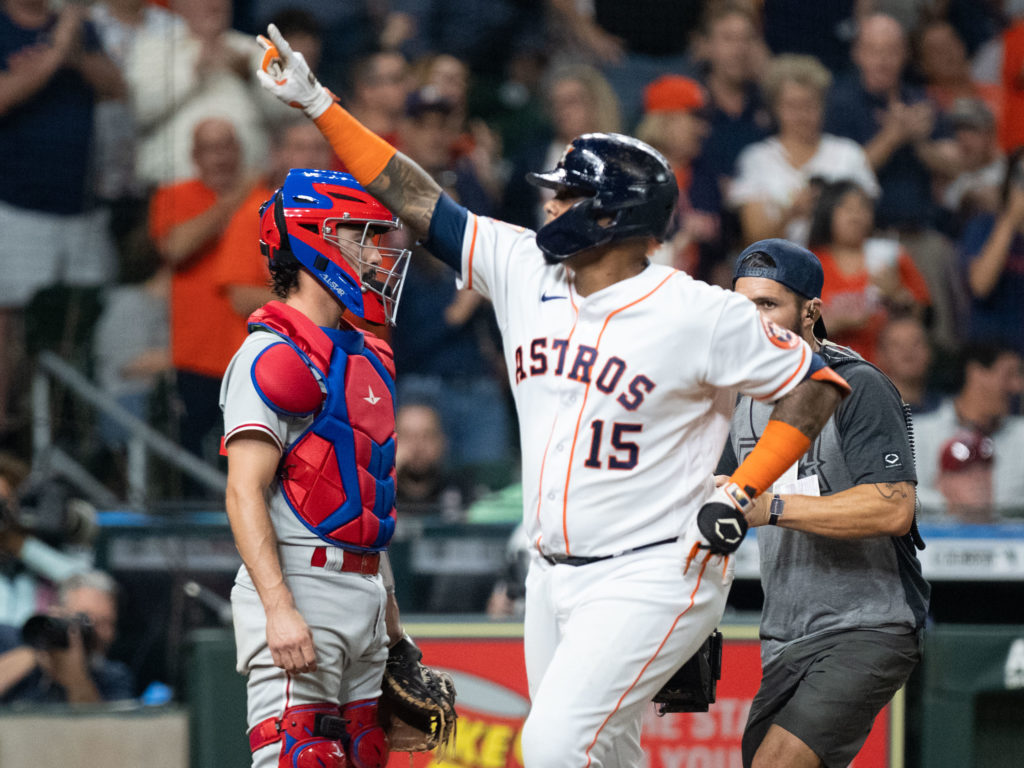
(136, 148)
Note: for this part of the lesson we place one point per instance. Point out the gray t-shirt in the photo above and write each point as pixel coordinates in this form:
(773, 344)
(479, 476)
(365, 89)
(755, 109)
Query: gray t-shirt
(814, 584)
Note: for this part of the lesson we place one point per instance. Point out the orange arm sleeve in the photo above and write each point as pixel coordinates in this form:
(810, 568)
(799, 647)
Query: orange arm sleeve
(363, 152)
(780, 446)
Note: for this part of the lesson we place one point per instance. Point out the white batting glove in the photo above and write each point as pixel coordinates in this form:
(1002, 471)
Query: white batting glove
(286, 74)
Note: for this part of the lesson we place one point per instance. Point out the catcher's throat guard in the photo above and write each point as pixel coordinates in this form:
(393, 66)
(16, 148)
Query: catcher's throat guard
(693, 687)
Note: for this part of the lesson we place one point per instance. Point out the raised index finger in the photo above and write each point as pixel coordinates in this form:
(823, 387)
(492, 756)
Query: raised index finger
(279, 42)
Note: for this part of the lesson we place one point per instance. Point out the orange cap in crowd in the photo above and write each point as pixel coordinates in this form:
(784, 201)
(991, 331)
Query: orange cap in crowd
(673, 93)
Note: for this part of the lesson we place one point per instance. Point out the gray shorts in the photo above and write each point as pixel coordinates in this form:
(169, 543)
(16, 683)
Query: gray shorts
(41, 249)
(827, 690)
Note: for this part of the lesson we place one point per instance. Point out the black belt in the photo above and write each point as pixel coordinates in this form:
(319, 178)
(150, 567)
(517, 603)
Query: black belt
(581, 560)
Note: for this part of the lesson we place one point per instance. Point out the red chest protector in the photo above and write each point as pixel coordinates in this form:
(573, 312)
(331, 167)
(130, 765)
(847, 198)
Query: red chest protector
(338, 476)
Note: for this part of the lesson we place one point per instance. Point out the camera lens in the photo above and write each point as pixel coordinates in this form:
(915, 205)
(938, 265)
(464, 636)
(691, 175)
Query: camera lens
(45, 632)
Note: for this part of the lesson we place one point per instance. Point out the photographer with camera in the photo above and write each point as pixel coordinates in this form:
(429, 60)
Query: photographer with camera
(30, 568)
(60, 656)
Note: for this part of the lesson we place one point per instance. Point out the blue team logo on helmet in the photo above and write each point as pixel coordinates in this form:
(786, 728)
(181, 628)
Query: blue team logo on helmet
(332, 226)
(628, 190)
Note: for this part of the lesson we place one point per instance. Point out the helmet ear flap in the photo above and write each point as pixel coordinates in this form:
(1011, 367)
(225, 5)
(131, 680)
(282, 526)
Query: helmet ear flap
(574, 231)
(281, 251)
(279, 220)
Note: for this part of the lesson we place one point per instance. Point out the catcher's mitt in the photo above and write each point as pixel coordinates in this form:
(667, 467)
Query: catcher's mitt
(417, 703)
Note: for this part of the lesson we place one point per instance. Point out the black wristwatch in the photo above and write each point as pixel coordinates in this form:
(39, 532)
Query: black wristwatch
(775, 510)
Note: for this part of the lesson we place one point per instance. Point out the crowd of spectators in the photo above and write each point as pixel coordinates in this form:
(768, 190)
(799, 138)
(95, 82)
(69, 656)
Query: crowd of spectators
(882, 134)
(136, 149)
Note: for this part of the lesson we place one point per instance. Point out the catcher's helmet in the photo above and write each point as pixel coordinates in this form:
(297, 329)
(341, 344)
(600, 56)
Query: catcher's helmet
(305, 221)
(620, 178)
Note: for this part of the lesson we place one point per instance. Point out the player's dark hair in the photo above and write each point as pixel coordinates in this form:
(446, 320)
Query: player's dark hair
(829, 198)
(284, 277)
(759, 259)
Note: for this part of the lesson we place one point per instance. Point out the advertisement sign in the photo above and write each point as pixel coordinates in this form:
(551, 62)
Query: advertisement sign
(493, 701)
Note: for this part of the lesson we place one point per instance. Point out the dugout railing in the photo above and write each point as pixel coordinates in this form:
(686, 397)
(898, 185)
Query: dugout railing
(49, 459)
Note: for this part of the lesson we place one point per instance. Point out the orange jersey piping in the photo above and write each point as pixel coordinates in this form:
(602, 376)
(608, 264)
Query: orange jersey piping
(543, 462)
(583, 405)
(472, 252)
(783, 385)
(631, 686)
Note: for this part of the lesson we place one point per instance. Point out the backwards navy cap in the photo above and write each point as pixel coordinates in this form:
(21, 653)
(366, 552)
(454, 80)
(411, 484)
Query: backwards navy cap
(795, 267)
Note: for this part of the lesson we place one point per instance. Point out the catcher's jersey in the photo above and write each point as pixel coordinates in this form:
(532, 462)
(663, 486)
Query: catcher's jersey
(623, 396)
(244, 410)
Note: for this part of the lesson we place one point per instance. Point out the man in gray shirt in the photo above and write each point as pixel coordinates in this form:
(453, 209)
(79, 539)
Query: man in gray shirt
(845, 601)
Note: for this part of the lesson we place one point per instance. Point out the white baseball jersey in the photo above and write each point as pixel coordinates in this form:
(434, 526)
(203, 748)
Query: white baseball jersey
(624, 396)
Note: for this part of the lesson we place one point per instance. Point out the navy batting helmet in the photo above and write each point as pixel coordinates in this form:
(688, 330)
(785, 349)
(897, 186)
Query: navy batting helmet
(620, 179)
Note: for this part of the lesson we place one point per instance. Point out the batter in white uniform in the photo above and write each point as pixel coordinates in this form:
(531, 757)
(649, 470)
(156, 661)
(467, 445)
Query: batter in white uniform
(624, 376)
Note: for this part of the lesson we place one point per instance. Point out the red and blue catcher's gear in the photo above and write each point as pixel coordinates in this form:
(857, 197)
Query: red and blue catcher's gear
(285, 381)
(311, 736)
(309, 219)
(627, 189)
(366, 742)
(338, 476)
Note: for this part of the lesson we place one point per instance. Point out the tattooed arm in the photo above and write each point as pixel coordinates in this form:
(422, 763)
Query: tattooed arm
(864, 511)
(408, 191)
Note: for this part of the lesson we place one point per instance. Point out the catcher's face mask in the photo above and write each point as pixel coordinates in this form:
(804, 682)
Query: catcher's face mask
(380, 269)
